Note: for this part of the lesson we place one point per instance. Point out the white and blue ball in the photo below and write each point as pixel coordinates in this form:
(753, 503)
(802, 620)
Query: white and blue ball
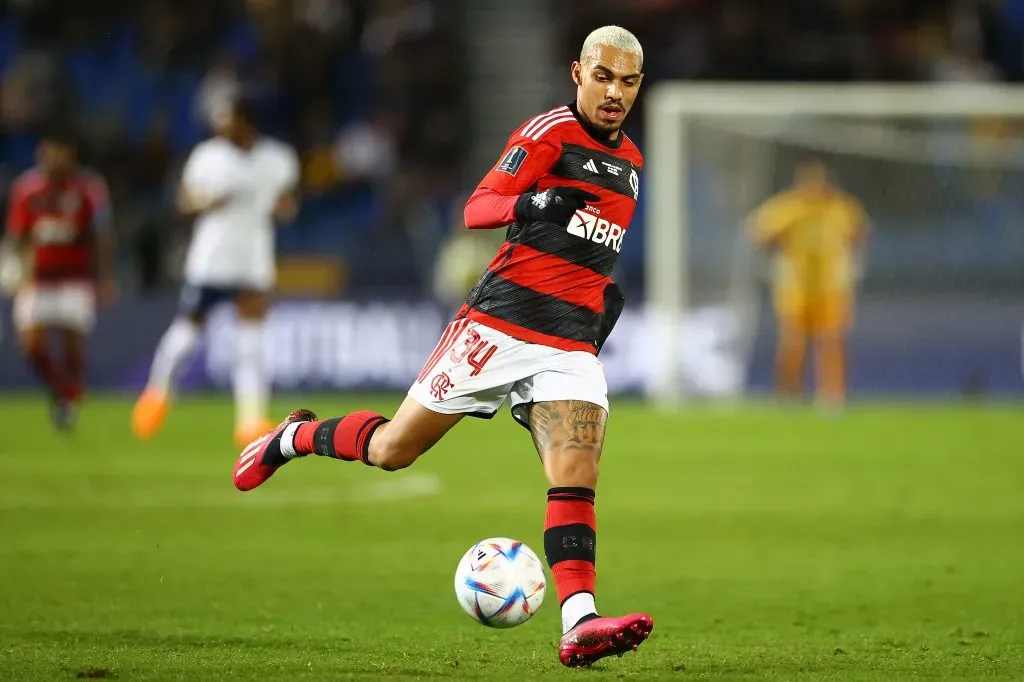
(500, 582)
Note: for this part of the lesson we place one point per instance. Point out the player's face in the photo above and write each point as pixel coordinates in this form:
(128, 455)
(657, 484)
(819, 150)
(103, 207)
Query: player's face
(238, 129)
(56, 158)
(607, 81)
(813, 176)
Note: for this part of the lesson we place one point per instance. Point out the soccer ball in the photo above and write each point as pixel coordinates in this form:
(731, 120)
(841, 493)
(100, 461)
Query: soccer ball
(500, 582)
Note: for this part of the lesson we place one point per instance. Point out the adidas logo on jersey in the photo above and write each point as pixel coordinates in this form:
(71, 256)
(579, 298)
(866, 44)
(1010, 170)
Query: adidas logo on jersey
(590, 166)
(597, 230)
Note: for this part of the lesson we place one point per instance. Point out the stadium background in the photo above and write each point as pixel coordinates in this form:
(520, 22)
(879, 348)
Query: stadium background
(398, 106)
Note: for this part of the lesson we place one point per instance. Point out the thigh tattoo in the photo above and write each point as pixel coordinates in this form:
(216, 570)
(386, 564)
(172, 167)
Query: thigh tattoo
(572, 423)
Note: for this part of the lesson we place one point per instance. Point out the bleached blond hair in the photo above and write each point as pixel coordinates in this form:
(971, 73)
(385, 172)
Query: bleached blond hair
(612, 36)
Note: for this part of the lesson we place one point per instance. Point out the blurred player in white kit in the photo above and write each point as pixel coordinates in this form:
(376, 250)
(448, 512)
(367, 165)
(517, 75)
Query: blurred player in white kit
(237, 185)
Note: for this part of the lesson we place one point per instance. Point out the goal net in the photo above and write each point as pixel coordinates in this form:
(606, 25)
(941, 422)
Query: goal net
(938, 169)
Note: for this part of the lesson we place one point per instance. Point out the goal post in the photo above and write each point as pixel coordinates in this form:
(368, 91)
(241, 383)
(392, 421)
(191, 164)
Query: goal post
(681, 120)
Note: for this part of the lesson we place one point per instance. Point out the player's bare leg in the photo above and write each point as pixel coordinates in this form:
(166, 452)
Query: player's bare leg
(358, 436)
(176, 345)
(830, 354)
(790, 354)
(569, 437)
(251, 383)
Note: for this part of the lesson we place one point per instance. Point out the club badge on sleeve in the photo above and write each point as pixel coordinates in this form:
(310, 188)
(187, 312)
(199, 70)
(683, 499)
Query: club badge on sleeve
(513, 160)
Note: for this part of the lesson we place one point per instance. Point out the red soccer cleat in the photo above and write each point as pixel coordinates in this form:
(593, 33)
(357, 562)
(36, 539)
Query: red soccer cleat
(262, 457)
(598, 637)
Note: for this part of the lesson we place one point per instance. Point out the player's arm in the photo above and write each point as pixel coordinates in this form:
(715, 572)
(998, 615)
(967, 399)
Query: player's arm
(15, 243)
(767, 224)
(191, 201)
(19, 219)
(287, 206)
(505, 195)
(859, 242)
(204, 185)
(101, 217)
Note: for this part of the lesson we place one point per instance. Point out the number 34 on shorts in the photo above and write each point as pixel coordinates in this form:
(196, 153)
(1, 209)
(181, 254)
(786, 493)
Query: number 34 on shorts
(462, 351)
(475, 368)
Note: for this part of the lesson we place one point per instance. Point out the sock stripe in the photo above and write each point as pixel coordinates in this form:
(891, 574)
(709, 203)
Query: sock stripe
(323, 437)
(364, 436)
(587, 493)
(565, 497)
(570, 542)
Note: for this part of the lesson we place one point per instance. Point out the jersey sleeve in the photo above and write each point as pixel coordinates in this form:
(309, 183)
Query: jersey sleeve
(19, 218)
(97, 194)
(523, 162)
(206, 173)
(292, 170)
(770, 220)
(486, 209)
(859, 218)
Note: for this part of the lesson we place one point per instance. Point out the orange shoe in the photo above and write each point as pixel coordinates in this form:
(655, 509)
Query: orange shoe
(149, 413)
(247, 433)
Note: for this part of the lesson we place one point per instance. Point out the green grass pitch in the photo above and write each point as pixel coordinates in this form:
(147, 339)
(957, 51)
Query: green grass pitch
(886, 544)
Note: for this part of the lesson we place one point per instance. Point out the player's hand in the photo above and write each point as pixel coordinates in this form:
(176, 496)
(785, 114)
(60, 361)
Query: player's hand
(12, 273)
(207, 203)
(107, 290)
(554, 205)
(191, 202)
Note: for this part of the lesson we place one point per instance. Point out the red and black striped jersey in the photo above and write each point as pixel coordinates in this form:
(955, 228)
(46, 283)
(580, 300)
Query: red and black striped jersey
(59, 220)
(546, 285)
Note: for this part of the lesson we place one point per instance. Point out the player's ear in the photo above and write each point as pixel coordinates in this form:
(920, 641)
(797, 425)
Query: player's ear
(576, 70)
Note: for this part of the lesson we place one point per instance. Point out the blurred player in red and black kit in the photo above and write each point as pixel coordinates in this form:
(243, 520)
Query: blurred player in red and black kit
(565, 187)
(58, 222)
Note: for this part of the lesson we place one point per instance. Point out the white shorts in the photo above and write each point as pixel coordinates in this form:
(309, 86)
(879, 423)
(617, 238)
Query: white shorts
(71, 305)
(475, 368)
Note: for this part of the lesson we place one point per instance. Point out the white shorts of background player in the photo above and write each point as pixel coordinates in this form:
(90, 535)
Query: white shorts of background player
(68, 305)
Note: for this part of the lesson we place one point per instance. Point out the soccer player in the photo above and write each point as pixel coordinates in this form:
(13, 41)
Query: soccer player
(817, 233)
(58, 224)
(566, 187)
(236, 184)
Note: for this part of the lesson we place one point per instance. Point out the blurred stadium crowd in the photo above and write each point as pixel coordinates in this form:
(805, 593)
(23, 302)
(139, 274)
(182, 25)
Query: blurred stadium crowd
(372, 93)
(817, 40)
(368, 92)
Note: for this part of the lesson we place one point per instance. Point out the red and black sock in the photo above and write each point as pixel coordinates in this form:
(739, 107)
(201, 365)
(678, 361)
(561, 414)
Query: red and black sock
(570, 540)
(74, 365)
(345, 437)
(41, 361)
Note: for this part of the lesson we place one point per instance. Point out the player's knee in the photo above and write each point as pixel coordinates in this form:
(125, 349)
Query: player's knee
(394, 458)
(30, 342)
(251, 306)
(575, 469)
